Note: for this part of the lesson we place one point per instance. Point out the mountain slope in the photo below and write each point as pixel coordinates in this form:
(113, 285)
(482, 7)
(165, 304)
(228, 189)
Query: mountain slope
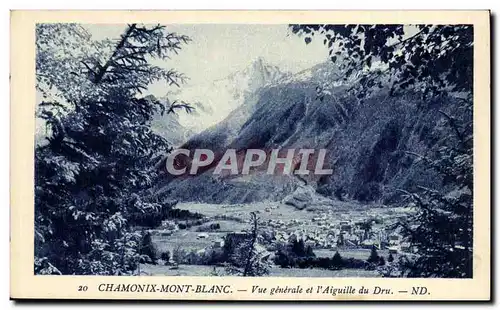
(366, 143)
(169, 127)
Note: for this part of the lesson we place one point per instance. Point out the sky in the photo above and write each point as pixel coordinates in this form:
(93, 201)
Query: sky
(217, 50)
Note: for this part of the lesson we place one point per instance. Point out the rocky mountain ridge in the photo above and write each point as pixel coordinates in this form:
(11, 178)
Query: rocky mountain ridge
(366, 142)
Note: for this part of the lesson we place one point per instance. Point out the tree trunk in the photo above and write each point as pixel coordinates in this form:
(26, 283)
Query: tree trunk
(252, 245)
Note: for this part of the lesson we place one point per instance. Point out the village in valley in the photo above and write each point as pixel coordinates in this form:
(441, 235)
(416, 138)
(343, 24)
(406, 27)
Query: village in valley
(326, 227)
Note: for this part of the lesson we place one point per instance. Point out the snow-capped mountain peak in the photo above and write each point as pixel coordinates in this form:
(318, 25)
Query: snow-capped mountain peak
(218, 98)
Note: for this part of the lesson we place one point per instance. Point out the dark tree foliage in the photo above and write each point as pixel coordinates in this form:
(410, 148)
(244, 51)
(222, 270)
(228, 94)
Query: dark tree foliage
(430, 57)
(436, 62)
(288, 259)
(442, 229)
(183, 214)
(148, 251)
(381, 261)
(337, 261)
(298, 247)
(309, 251)
(295, 253)
(374, 258)
(93, 168)
(165, 256)
(248, 258)
(366, 226)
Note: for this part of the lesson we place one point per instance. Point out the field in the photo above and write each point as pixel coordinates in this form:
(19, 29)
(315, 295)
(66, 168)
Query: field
(201, 271)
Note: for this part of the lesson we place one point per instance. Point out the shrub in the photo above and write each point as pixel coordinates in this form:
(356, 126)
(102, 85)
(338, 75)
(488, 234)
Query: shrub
(179, 255)
(148, 249)
(283, 259)
(381, 262)
(286, 259)
(309, 251)
(211, 227)
(355, 263)
(374, 258)
(211, 256)
(292, 253)
(215, 257)
(165, 256)
(337, 262)
(298, 248)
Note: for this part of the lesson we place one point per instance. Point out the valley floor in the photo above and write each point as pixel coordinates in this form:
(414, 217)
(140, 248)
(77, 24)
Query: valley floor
(313, 224)
(276, 271)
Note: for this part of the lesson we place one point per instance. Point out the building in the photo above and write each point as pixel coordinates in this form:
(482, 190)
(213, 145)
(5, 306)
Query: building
(393, 250)
(202, 236)
(218, 243)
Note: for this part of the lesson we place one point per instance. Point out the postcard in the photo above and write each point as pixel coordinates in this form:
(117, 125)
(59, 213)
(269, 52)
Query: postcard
(250, 155)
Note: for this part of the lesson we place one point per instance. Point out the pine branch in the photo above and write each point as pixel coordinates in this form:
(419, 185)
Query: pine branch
(179, 105)
(454, 125)
(124, 38)
(89, 68)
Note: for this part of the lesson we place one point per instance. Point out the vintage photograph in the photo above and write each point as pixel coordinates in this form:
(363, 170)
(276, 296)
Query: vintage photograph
(254, 150)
